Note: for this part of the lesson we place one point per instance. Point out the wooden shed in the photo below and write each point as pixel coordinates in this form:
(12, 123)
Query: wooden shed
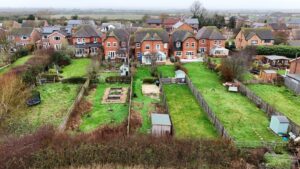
(279, 124)
(180, 76)
(161, 124)
(268, 75)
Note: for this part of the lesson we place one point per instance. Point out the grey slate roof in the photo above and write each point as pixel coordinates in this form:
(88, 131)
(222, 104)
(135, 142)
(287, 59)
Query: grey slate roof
(50, 29)
(154, 21)
(262, 33)
(86, 31)
(192, 21)
(121, 34)
(181, 35)
(210, 32)
(21, 31)
(160, 119)
(151, 34)
(278, 26)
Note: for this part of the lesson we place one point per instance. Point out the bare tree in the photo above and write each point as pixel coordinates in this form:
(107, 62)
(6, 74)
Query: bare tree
(5, 45)
(197, 9)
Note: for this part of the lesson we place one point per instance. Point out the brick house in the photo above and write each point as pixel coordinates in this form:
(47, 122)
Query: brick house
(86, 41)
(254, 37)
(278, 27)
(182, 26)
(169, 22)
(193, 22)
(24, 36)
(151, 43)
(55, 40)
(116, 44)
(210, 37)
(154, 23)
(183, 44)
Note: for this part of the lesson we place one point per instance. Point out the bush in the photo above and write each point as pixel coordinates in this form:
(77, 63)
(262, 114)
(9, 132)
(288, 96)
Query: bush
(179, 66)
(74, 80)
(282, 50)
(149, 80)
(118, 79)
(61, 58)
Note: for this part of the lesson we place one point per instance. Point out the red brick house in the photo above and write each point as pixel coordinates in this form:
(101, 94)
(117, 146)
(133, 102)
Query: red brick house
(182, 26)
(183, 44)
(151, 43)
(210, 37)
(55, 40)
(116, 44)
(254, 37)
(24, 36)
(86, 41)
(169, 22)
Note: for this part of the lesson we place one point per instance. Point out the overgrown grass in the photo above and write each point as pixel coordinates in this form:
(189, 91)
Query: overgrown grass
(56, 100)
(78, 68)
(280, 98)
(103, 114)
(278, 161)
(188, 118)
(19, 62)
(167, 70)
(241, 118)
(141, 103)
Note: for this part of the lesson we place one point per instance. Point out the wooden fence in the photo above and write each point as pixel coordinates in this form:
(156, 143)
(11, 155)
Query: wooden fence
(130, 105)
(211, 115)
(80, 95)
(267, 108)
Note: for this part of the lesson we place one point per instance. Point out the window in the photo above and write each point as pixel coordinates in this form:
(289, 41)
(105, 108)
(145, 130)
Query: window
(57, 38)
(24, 37)
(157, 47)
(95, 40)
(115, 44)
(147, 47)
(111, 54)
(45, 37)
(193, 45)
(202, 50)
(220, 42)
(138, 54)
(203, 41)
(83, 40)
(189, 53)
(187, 44)
(57, 46)
(78, 40)
(216, 42)
(178, 44)
(138, 45)
(166, 45)
(178, 53)
(254, 42)
(108, 44)
(268, 41)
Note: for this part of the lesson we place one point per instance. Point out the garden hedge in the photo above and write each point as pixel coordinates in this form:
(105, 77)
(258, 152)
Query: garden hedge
(281, 50)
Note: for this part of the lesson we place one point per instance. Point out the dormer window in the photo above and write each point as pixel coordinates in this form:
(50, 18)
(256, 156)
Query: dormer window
(178, 44)
(138, 45)
(24, 37)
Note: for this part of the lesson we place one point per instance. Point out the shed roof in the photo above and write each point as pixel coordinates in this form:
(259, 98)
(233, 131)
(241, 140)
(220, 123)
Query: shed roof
(180, 74)
(282, 119)
(160, 119)
(276, 57)
(270, 71)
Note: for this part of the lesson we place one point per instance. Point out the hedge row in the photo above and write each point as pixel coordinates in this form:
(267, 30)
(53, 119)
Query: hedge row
(281, 50)
(118, 79)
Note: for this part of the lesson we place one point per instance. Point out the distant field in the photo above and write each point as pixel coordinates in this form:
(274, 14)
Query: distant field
(99, 16)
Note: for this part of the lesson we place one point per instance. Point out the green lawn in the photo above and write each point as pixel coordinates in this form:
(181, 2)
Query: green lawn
(78, 68)
(103, 114)
(281, 98)
(18, 62)
(167, 70)
(188, 118)
(242, 119)
(56, 100)
(141, 103)
(281, 72)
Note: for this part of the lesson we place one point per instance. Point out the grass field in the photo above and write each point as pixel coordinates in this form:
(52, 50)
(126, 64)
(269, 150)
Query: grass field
(188, 118)
(56, 99)
(78, 68)
(141, 103)
(103, 114)
(167, 70)
(242, 119)
(281, 98)
(18, 62)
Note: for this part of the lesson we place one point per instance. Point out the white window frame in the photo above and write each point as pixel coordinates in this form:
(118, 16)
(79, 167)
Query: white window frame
(252, 42)
(24, 38)
(189, 53)
(147, 47)
(193, 44)
(58, 38)
(114, 44)
(187, 44)
(216, 42)
(203, 41)
(178, 53)
(112, 54)
(166, 45)
(178, 44)
(108, 44)
(157, 46)
(138, 45)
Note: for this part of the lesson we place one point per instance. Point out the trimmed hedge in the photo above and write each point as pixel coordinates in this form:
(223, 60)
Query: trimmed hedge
(74, 80)
(118, 79)
(281, 50)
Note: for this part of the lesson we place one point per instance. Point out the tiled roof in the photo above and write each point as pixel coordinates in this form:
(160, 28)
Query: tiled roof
(278, 26)
(21, 31)
(86, 31)
(191, 21)
(151, 34)
(181, 35)
(154, 21)
(210, 32)
(170, 21)
(33, 23)
(121, 34)
(262, 33)
(178, 24)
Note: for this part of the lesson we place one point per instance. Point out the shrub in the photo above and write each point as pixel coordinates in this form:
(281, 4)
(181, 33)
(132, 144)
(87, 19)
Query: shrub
(179, 66)
(61, 58)
(233, 68)
(282, 50)
(118, 79)
(74, 80)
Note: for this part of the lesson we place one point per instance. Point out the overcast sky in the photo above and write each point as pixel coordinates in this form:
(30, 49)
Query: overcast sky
(153, 4)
